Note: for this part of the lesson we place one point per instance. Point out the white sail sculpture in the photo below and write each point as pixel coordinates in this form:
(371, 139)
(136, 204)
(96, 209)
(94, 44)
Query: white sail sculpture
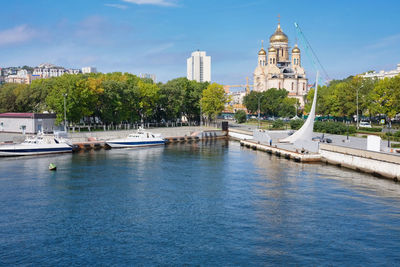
(305, 133)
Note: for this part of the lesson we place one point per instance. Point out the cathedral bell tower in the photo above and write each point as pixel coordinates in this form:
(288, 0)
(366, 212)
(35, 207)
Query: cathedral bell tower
(272, 56)
(262, 56)
(296, 60)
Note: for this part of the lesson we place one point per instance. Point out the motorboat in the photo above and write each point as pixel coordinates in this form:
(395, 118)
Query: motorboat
(37, 145)
(139, 139)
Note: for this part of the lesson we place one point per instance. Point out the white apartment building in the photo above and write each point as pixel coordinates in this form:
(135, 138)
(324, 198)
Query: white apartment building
(89, 70)
(199, 67)
(383, 74)
(47, 70)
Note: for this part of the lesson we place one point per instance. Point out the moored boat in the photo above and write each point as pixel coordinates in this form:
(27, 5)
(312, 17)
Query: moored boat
(37, 145)
(139, 139)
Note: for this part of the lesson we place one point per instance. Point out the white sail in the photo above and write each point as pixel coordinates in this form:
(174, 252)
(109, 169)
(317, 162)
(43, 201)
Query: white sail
(306, 131)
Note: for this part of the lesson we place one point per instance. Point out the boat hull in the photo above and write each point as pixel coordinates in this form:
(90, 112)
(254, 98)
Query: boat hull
(15, 150)
(126, 144)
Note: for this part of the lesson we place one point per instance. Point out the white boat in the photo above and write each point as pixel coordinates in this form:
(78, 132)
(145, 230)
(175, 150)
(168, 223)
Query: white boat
(138, 139)
(37, 145)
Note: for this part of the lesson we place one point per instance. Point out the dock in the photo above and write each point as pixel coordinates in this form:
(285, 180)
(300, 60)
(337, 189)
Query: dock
(93, 144)
(280, 152)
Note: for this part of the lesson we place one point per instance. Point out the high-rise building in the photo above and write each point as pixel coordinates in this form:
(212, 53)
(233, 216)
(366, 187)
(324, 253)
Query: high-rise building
(199, 67)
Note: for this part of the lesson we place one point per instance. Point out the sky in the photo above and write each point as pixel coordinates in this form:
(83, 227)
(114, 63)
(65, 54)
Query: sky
(157, 36)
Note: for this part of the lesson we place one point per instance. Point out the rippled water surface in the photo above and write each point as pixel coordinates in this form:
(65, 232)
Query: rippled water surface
(213, 204)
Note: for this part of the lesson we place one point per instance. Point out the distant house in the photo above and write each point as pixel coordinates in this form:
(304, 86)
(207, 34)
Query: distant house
(30, 123)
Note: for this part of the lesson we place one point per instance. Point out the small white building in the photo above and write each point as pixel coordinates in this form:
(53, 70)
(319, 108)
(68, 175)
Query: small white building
(30, 123)
(199, 67)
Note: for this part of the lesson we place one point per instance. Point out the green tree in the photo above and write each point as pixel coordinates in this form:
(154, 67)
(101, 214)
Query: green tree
(147, 97)
(193, 95)
(8, 97)
(111, 106)
(213, 100)
(273, 102)
(240, 116)
(287, 107)
(386, 97)
(172, 98)
(251, 101)
(80, 98)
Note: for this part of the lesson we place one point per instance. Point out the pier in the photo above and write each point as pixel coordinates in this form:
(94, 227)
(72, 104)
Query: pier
(82, 142)
(343, 152)
(280, 152)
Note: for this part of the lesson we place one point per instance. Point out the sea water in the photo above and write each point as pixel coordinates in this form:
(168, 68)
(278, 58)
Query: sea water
(209, 204)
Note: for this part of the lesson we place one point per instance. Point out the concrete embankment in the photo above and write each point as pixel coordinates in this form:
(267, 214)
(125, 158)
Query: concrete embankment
(238, 135)
(246, 140)
(296, 156)
(381, 164)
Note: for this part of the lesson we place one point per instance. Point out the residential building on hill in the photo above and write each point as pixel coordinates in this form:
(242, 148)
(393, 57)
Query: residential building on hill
(383, 74)
(47, 70)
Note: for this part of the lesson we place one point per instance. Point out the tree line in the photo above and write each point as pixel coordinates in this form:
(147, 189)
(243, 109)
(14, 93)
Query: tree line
(375, 97)
(114, 98)
(338, 99)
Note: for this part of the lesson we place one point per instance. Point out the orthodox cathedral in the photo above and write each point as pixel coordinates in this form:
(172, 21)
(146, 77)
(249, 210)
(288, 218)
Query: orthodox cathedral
(277, 70)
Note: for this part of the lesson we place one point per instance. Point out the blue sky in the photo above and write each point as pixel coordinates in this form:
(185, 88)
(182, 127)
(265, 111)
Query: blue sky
(156, 36)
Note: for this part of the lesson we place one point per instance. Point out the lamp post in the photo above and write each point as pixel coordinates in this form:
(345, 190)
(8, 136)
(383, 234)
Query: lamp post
(65, 112)
(259, 98)
(201, 126)
(358, 88)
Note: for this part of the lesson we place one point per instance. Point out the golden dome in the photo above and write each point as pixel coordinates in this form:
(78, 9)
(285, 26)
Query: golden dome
(278, 36)
(262, 51)
(272, 50)
(296, 49)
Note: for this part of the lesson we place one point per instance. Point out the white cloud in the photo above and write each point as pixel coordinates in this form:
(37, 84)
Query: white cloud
(389, 41)
(16, 35)
(152, 2)
(119, 6)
